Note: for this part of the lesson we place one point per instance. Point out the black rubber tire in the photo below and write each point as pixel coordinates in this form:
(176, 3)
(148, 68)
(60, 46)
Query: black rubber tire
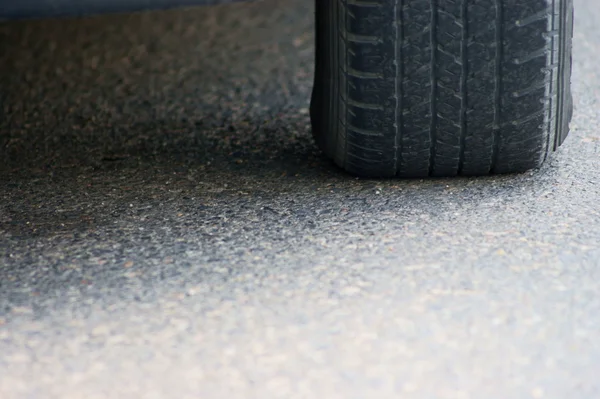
(418, 88)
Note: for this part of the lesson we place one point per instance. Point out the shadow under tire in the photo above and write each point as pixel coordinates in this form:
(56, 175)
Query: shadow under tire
(416, 88)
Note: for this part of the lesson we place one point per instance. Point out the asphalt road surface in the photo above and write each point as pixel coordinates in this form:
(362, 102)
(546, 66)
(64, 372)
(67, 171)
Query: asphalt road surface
(169, 230)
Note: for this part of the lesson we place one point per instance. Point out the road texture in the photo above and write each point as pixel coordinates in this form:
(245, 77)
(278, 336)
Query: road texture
(169, 230)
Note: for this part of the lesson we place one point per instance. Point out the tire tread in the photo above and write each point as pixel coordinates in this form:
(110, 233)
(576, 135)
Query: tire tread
(417, 88)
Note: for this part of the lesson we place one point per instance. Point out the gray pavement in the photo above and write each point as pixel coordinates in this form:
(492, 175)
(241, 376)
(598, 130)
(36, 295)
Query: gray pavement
(169, 230)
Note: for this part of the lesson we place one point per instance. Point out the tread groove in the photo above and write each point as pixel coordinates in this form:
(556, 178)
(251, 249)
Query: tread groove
(561, 78)
(497, 85)
(433, 77)
(463, 84)
(347, 88)
(550, 89)
(335, 78)
(399, 62)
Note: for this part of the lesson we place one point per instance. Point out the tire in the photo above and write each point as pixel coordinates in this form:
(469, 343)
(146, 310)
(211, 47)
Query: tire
(416, 88)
